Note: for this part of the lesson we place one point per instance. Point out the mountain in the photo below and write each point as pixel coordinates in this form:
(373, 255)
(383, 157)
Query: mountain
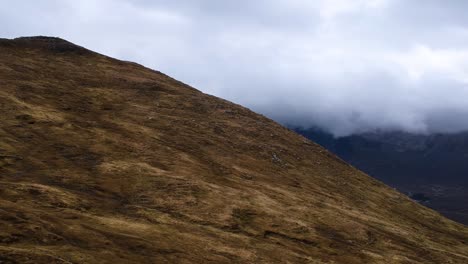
(105, 161)
(432, 166)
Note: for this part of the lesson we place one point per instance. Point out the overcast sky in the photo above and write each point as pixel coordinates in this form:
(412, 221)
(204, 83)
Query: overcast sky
(343, 65)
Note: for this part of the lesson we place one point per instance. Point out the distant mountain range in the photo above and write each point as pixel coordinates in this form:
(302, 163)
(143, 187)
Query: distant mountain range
(432, 169)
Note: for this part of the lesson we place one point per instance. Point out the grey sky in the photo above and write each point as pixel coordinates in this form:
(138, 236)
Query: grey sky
(346, 66)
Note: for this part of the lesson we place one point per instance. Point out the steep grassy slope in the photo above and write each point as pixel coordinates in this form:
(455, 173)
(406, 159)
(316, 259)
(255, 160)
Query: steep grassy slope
(104, 161)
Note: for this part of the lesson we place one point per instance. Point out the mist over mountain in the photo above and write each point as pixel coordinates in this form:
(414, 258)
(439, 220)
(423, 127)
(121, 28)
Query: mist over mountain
(346, 66)
(430, 166)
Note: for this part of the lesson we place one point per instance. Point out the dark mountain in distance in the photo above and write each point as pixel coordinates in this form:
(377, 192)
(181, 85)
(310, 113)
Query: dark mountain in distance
(106, 161)
(434, 166)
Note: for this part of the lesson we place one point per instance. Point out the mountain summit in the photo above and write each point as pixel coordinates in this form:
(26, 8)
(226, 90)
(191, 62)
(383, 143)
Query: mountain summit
(105, 161)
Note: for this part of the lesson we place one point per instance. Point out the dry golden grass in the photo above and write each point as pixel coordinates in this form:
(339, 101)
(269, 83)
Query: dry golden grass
(104, 161)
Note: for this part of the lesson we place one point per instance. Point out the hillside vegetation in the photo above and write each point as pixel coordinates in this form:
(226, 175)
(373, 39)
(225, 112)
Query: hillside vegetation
(105, 161)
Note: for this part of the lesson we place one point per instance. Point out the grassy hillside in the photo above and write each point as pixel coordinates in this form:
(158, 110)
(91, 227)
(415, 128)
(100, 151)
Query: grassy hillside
(104, 161)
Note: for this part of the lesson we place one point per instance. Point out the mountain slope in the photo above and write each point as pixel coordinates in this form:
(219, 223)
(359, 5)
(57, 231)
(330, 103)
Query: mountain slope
(399, 157)
(433, 166)
(104, 161)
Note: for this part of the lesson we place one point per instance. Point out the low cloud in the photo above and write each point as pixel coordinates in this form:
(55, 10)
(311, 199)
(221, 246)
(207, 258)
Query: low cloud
(344, 66)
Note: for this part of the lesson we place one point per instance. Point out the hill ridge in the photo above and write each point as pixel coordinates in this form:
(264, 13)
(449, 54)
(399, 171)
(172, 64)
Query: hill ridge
(53, 44)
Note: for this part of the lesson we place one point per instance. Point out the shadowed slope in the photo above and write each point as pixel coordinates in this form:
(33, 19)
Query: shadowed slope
(104, 161)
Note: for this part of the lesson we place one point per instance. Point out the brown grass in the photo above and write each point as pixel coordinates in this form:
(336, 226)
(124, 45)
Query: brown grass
(104, 161)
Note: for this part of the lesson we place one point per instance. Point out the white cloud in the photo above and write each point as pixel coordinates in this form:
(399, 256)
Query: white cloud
(422, 61)
(346, 66)
(330, 9)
